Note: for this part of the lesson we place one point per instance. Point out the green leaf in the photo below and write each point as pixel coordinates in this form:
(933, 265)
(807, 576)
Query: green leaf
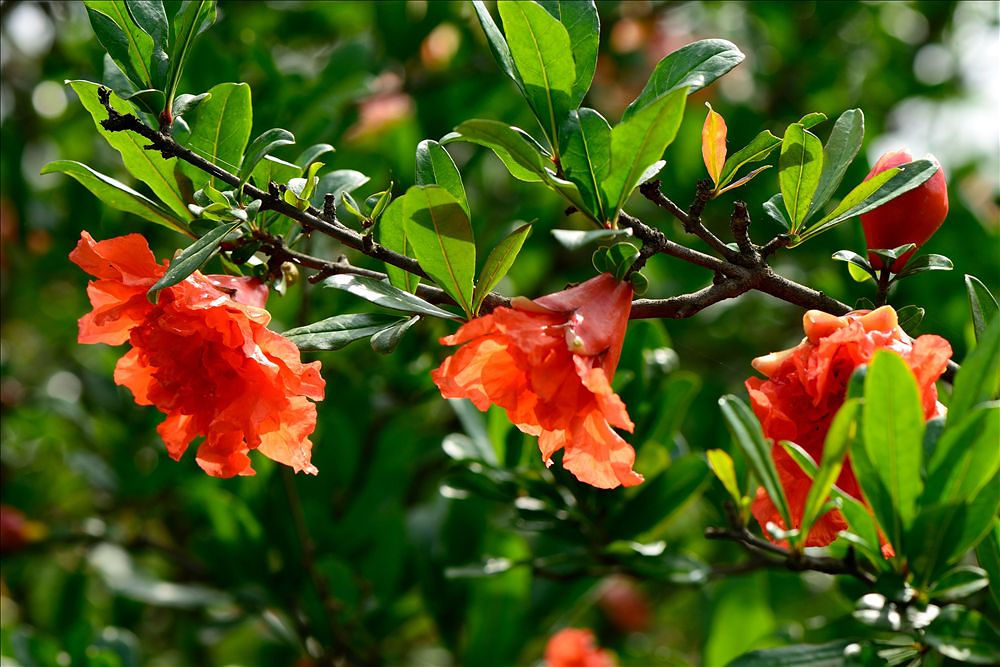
(832, 654)
(185, 103)
(755, 151)
(542, 52)
(959, 582)
(966, 456)
(392, 235)
(383, 294)
(148, 166)
(192, 258)
(386, 340)
(693, 67)
(988, 555)
(812, 119)
(117, 194)
(150, 16)
(893, 432)
(637, 143)
(799, 169)
(843, 431)
(439, 231)
(192, 18)
(871, 194)
(964, 635)
(585, 138)
(854, 259)
(505, 141)
(572, 239)
(338, 183)
(261, 146)
(923, 263)
(219, 131)
(497, 43)
(123, 39)
(838, 153)
(335, 332)
(313, 153)
(660, 498)
(498, 263)
(744, 180)
(859, 518)
(583, 24)
(979, 378)
(910, 317)
(982, 303)
(273, 169)
(775, 209)
(435, 167)
(721, 464)
(747, 433)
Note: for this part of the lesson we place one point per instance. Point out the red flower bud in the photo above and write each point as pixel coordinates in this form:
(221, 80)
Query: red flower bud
(912, 217)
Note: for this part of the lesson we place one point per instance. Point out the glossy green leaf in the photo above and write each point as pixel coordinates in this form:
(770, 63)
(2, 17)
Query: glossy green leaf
(193, 17)
(924, 263)
(693, 66)
(573, 239)
(335, 332)
(982, 303)
(871, 194)
(838, 154)
(755, 151)
(498, 263)
(261, 146)
(151, 18)
(799, 169)
(638, 142)
(910, 317)
(117, 194)
(585, 139)
(843, 431)
(988, 555)
(747, 433)
(775, 209)
(386, 340)
(497, 43)
(583, 24)
(543, 55)
(337, 183)
(832, 654)
(436, 167)
(501, 138)
(660, 498)
(392, 234)
(383, 294)
(959, 582)
(148, 166)
(313, 153)
(966, 456)
(964, 635)
(272, 169)
(127, 44)
(854, 259)
(979, 378)
(192, 258)
(441, 235)
(893, 432)
(185, 103)
(812, 119)
(220, 129)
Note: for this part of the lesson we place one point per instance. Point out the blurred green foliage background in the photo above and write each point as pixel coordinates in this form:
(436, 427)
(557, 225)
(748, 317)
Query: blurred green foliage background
(140, 560)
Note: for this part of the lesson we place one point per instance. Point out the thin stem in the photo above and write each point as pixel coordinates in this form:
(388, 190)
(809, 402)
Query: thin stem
(882, 291)
(691, 220)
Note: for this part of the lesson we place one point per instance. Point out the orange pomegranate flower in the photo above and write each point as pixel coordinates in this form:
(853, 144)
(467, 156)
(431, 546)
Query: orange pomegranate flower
(807, 384)
(549, 364)
(574, 647)
(203, 355)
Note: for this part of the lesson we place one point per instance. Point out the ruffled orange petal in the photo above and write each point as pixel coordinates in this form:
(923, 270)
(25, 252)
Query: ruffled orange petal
(598, 456)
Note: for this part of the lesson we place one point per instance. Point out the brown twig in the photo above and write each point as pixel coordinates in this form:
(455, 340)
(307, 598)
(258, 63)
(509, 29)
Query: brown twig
(691, 219)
